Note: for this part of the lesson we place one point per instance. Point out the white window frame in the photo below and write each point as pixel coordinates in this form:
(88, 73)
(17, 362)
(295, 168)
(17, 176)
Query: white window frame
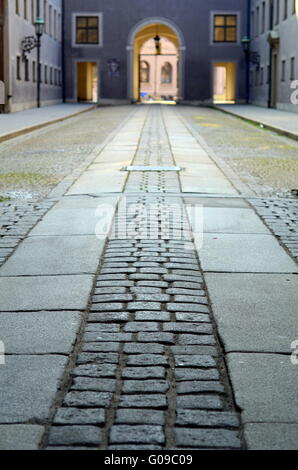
(74, 21)
(225, 12)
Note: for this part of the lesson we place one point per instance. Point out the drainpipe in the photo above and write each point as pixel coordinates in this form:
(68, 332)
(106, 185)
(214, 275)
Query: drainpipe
(62, 50)
(247, 54)
(270, 56)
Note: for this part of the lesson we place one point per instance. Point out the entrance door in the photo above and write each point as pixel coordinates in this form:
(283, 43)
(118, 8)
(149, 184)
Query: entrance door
(2, 55)
(87, 82)
(274, 80)
(224, 82)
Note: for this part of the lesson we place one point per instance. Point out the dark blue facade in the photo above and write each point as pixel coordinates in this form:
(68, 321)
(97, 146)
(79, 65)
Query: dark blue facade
(194, 19)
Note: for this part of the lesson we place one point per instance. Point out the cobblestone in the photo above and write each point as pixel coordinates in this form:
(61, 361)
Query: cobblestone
(207, 438)
(145, 386)
(74, 435)
(132, 416)
(146, 360)
(143, 401)
(140, 434)
(80, 416)
(148, 352)
(88, 399)
(143, 373)
(281, 216)
(204, 402)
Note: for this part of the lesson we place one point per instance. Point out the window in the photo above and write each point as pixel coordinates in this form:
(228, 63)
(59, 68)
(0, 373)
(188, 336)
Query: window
(18, 68)
(59, 27)
(46, 74)
(283, 70)
(50, 20)
(256, 77)
(145, 72)
(257, 20)
(26, 70)
(25, 9)
(277, 4)
(45, 18)
(252, 24)
(292, 73)
(293, 7)
(262, 76)
(268, 74)
(55, 24)
(285, 9)
(167, 73)
(225, 28)
(51, 75)
(32, 12)
(263, 17)
(17, 7)
(34, 71)
(87, 30)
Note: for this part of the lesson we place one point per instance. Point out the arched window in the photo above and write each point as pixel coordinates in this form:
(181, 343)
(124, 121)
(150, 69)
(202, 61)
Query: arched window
(145, 72)
(167, 73)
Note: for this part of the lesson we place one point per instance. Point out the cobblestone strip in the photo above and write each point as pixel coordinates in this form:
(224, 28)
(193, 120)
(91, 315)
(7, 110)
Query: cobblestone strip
(17, 218)
(281, 216)
(149, 373)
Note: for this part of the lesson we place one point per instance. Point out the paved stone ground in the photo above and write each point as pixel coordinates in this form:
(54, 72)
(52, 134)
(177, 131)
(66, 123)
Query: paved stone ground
(144, 365)
(266, 162)
(149, 373)
(281, 216)
(17, 218)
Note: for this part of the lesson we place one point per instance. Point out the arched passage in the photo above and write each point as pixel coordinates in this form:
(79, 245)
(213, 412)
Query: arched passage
(142, 32)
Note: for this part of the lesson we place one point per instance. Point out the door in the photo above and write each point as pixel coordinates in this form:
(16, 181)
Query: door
(274, 80)
(224, 82)
(2, 90)
(87, 82)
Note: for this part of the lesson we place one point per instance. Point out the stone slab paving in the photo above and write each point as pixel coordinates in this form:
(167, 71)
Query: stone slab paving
(255, 312)
(37, 333)
(148, 374)
(20, 436)
(35, 380)
(55, 255)
(271, 436)
(265, 387)
(37, 293)
(254, 253)
(147, 369)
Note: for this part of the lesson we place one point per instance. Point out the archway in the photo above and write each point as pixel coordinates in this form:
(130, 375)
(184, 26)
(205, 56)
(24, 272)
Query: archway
(139, 35)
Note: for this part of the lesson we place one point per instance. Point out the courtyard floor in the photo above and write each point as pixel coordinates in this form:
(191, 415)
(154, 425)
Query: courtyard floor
(149, 283)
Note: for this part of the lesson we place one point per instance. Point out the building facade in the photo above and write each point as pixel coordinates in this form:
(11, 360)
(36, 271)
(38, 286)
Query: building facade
(274, 37)
(103, 42)
(19, 71)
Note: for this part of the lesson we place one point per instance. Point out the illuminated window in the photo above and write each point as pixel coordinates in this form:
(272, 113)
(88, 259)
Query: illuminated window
(145, 72)
(87, 30)
(225, 28)
(167, 73)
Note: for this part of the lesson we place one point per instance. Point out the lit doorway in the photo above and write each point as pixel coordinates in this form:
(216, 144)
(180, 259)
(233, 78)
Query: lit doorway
(145, 31)
(87, 82)
(224, 82)
(158, 73)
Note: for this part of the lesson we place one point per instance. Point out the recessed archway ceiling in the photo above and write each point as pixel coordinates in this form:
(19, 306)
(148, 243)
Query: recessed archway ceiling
(150, 31)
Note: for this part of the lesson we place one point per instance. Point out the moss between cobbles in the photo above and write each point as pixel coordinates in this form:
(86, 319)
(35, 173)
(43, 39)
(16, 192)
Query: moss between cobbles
(4, 199)
(20, 179)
